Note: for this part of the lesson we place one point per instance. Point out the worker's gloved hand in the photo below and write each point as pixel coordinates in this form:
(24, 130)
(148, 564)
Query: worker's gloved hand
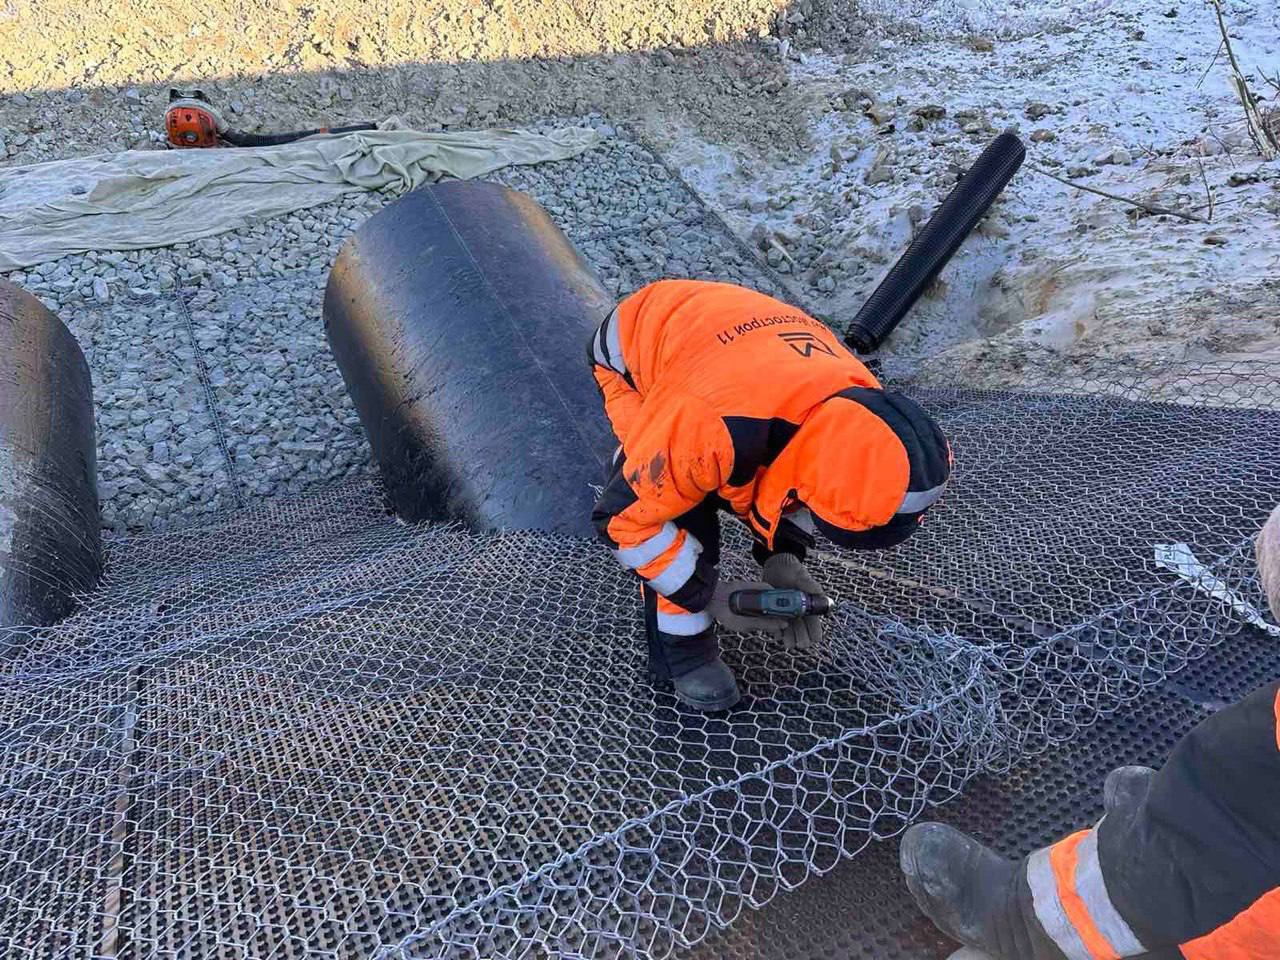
(737, 622)
(785, 571)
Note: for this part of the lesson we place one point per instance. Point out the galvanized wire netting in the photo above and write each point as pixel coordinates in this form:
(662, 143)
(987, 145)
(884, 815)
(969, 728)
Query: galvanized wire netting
(309, 730)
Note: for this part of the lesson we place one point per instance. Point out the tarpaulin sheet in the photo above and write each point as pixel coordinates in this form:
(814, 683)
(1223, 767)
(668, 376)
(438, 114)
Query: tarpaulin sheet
(153, 198)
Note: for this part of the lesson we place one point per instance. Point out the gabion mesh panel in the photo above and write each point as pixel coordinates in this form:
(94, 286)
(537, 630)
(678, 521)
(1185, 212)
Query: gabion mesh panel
(862, 910)
(310, 730)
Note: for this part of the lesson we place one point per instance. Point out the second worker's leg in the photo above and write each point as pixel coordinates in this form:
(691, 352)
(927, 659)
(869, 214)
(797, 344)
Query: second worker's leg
(1185, 863)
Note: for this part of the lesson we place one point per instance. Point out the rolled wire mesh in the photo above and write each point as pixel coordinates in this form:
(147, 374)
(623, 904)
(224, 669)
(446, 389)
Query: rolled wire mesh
(306, 729)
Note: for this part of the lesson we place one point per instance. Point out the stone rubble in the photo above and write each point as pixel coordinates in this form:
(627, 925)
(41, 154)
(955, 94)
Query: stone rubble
(232, 324)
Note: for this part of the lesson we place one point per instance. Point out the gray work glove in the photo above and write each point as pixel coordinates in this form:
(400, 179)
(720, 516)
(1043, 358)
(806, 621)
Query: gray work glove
(786, 572)
(738, 623)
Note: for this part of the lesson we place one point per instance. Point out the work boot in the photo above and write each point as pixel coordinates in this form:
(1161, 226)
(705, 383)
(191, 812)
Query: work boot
(693, 665)
(972, 894)
(709, 688)
(1125, 788)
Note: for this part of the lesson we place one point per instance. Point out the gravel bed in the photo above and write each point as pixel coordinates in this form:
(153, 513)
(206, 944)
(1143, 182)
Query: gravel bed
(698, 250)
(617, 186)
(179, 341)
(289, 422)
(213, 382)
(158, 449)
(633, 220)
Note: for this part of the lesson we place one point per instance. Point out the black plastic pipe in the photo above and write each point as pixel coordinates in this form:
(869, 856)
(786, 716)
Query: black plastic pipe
(50, 537)
(460, 316)
(936, 243)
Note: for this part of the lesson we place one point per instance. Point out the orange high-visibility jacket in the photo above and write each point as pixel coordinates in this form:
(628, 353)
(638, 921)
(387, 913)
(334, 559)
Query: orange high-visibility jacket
(716, 390)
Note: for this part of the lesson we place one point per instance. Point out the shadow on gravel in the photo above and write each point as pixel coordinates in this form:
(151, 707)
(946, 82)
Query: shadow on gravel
(731, 91)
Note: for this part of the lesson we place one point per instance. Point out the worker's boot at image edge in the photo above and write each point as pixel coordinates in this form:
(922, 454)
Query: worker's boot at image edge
(988, 902)
(973, 894)
(701, 679)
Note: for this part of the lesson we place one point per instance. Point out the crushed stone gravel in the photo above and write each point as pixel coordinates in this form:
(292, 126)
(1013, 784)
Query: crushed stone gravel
(212, 378)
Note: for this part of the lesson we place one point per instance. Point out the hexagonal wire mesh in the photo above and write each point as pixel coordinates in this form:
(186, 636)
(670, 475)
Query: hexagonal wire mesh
(308, 729)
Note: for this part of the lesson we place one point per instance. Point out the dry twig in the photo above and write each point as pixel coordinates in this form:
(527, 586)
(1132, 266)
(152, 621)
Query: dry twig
(1258, 130)
(1204, 178)
(1152, 208)
(773, 242)
(1216, 54)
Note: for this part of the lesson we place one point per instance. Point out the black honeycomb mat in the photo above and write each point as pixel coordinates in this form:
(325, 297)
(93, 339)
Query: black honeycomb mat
(861, 910)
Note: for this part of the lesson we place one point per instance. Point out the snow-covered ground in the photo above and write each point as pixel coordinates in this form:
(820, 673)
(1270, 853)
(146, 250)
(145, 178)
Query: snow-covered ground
(1132, 98)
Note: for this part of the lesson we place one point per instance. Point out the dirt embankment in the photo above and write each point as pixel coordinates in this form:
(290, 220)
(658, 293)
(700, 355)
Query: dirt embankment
(81, 78)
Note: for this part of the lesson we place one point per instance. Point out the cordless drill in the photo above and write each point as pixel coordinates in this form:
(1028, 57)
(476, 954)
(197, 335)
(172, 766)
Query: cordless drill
(787, 604)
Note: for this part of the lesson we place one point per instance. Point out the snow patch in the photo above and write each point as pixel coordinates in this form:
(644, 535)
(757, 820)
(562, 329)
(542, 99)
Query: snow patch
(997, 18)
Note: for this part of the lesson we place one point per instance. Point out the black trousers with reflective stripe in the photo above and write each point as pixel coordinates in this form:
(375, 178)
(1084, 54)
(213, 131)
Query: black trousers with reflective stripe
(703, 522)
(1203, 844)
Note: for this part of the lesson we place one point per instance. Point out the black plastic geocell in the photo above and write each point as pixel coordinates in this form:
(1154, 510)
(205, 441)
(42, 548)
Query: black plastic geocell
(50, 537)
(459, 316)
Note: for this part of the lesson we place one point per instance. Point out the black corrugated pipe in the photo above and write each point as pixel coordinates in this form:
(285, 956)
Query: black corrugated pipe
(50, 541)
(238, 138)
(936, 243)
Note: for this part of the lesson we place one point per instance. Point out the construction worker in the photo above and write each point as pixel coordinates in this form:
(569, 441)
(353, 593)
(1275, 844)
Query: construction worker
(1185, 863)
(724, 398)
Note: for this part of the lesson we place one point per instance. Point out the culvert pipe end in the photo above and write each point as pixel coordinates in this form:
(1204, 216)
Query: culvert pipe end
(50, 526)
(459, 317)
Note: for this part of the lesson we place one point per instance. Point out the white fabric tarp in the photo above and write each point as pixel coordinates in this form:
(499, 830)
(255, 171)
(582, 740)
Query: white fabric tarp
(154, 198)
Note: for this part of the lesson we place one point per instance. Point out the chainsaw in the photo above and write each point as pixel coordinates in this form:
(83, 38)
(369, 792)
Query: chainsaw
(192, 121)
